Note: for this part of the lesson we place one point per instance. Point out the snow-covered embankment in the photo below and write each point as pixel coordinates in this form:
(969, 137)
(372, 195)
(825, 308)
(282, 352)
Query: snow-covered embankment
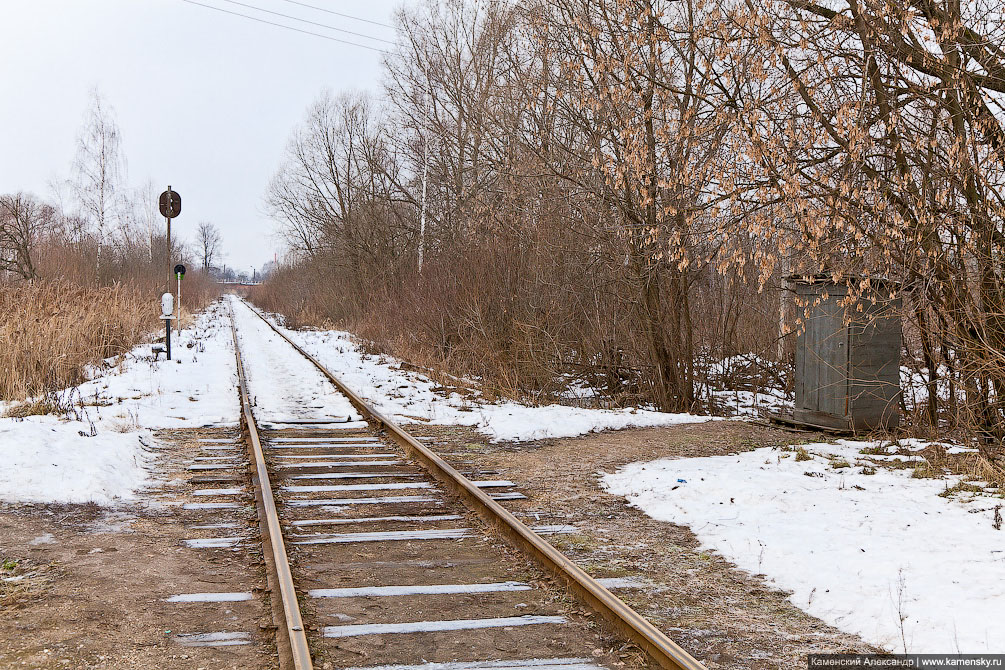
(408, 397)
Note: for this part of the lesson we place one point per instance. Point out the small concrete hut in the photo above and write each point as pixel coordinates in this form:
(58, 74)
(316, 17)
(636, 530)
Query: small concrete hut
(847, 355)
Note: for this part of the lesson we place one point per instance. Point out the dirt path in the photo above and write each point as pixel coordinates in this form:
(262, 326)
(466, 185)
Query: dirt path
(86, 587)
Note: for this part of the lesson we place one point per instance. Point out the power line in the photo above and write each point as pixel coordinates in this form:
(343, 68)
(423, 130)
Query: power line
(280, 25)
(345, 16)
(313, 23)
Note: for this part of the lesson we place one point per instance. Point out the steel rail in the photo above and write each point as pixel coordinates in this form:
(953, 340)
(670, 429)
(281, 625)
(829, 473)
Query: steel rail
(294, 651)
(623, 618)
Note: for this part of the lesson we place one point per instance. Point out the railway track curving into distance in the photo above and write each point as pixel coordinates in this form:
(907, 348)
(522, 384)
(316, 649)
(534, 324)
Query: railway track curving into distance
(380, 554)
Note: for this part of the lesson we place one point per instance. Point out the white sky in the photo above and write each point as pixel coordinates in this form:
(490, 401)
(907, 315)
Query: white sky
(205, 101)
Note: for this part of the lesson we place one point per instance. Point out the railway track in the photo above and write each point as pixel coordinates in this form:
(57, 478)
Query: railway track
(380, 554)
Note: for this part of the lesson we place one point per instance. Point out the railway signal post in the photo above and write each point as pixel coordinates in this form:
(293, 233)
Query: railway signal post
(179, 273)
(170, 206)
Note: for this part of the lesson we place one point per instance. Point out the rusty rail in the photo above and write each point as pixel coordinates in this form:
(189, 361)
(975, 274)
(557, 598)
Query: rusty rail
(623, 618)
(294, 651)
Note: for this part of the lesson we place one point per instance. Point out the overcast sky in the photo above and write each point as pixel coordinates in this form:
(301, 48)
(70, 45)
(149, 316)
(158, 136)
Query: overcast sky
(205, 101)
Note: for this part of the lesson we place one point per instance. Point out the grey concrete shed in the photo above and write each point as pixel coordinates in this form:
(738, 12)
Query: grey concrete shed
(847, 356)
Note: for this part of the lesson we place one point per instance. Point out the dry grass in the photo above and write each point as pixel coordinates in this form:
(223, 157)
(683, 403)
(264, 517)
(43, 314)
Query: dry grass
(970, 465)
(21, 580)
(524, 323)
(51, 332)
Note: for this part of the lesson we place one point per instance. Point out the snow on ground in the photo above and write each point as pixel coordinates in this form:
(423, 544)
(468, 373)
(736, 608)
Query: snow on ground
(914, 386)
(47, 459)
(750, 404)
(746, 385)
(409, 397)
(103, 450)
(284, 385)
(879, 555)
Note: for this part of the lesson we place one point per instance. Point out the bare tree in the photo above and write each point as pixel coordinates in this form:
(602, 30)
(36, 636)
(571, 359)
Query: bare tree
(145, 201)
(650, 148)
(877, 129)
(443, 84)
(208, 241)
(566, 155)
(23, 221)
(98, 170)
(337, 193)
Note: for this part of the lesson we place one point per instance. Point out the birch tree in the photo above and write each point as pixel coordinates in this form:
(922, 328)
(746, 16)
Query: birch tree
(98, 171)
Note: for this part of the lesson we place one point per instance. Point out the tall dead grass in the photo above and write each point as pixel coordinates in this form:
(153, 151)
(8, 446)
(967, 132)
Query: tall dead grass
(51, 331)
(53, 328)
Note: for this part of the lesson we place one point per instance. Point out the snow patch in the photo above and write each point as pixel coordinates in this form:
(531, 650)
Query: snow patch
(522, 664)
(220, 639)
(103, 454)
(434, 626)
(209, 598)
(878, 555)
(427, 589)
(48, 460)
